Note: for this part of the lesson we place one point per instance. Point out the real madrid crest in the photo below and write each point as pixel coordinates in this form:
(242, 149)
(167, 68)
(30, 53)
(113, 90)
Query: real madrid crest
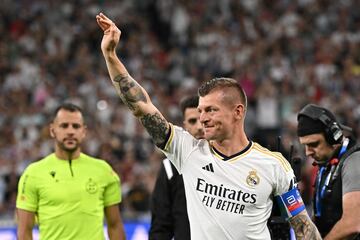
(252, 179)
(91, 186)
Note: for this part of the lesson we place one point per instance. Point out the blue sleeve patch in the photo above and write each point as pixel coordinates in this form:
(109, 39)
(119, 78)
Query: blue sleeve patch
(290, 203)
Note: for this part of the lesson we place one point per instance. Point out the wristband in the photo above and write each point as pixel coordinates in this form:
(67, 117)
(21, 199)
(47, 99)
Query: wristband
(290, 203)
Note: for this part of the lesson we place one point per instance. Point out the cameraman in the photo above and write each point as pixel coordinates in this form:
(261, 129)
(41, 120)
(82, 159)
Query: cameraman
(337, 185)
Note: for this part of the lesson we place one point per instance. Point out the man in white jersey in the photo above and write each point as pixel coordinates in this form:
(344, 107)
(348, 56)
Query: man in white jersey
(230, 182)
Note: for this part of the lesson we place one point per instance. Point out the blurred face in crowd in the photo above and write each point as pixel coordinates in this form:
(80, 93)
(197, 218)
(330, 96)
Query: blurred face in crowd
(192, 123)
(317, 148)
(218, 115)
(68, 130)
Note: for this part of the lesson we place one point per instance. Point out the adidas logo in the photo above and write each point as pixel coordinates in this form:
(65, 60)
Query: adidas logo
(208, 167)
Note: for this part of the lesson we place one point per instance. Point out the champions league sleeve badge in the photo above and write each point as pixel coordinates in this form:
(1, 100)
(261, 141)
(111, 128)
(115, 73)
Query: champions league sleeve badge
(290, 203)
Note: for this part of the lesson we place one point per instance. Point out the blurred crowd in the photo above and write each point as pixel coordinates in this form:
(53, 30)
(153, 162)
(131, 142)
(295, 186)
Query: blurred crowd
(285, 53)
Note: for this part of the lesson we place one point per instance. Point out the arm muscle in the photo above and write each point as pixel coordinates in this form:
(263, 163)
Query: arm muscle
(26, 222)
(303, 227)
(114, 223)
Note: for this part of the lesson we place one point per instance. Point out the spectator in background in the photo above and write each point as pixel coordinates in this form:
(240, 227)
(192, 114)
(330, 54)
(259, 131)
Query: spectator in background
(337, 187)
(68, 191)
(268, 116)
(169, 218)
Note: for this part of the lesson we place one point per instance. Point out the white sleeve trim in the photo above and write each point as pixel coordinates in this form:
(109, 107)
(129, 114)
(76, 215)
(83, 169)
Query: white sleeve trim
(168, 169)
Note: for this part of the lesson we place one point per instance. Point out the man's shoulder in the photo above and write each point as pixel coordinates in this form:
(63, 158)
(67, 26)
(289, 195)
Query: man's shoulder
(351, 155)
(101, 166)
(267, 155)
(355, 153)
(40, 163)
(353, 158)
(93, 160)
(185, 134)
(265, 152)
(353, 150)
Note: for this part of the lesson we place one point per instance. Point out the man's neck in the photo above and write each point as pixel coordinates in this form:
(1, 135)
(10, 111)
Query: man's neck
(231, 147)
(66, 155)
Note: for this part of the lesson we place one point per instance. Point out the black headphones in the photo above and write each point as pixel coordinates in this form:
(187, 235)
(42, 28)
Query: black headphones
(333, 131)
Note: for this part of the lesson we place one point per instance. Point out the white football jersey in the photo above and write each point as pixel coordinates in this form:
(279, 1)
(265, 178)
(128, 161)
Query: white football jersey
(232, 198)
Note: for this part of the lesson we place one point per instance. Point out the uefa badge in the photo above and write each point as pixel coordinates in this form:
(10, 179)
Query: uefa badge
(252, 179)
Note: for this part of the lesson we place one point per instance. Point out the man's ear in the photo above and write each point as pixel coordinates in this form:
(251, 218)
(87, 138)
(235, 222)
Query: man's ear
(240, 111)
(85, 130)
(52, 132)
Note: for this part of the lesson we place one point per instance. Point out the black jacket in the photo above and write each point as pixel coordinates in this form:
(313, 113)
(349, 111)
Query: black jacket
(168, 206)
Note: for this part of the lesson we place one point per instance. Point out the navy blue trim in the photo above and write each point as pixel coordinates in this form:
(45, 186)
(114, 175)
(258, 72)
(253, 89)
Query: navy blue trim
(225, 158)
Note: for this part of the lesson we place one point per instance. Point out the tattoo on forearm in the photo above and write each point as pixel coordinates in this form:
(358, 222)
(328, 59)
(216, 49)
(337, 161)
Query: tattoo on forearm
(130, 90)
(131, 94)
(304, 228)
(156, 126)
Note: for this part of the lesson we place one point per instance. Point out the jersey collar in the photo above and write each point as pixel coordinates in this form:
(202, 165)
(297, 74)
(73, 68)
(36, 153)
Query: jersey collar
(225, 158)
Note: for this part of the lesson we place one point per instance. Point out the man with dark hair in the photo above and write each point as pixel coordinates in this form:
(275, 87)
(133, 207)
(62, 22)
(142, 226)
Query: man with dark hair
(68, 191)
(230, 181)
(337, 186)
(169, 218)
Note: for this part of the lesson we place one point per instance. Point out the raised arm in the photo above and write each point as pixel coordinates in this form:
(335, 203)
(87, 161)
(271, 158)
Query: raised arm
(130, 91)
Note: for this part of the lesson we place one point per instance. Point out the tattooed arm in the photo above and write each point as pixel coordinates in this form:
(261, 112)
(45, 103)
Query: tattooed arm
(303, 227)
(130, 92)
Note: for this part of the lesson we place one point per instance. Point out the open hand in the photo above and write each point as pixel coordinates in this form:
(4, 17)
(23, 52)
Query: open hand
(111, 33)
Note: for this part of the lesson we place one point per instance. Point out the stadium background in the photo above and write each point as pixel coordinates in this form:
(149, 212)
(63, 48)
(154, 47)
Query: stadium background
(285, 53)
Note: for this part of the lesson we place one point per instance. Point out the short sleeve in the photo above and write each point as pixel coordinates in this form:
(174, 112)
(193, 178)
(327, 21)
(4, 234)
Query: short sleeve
(112, 193)
(178, 146)
(285, 178)
(27, 197)
(350, 173)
